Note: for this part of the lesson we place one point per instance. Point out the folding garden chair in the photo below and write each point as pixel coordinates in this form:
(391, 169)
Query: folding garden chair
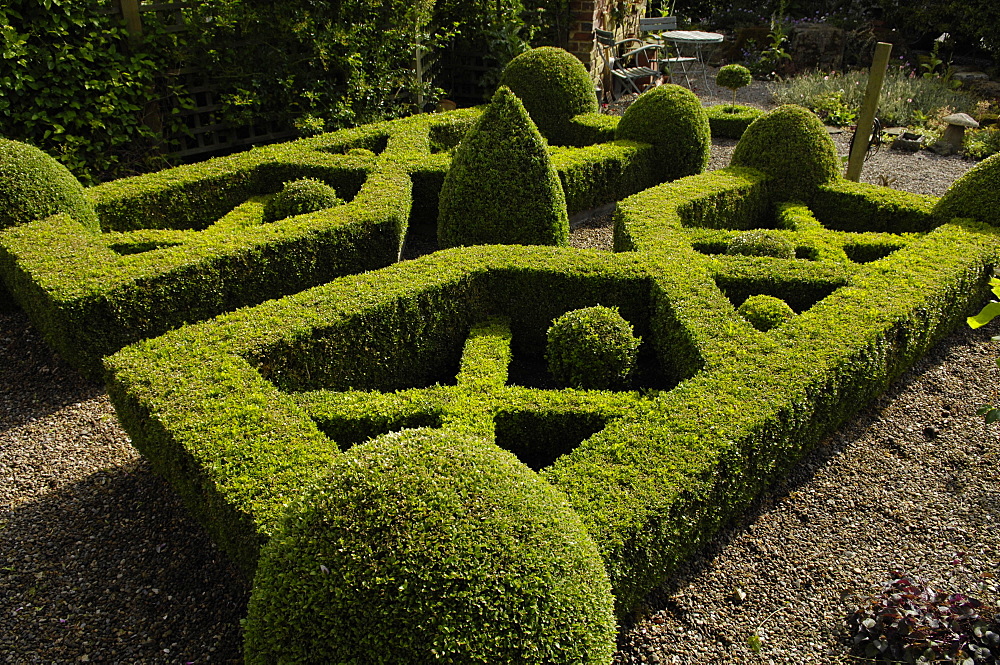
(627, 68)
(653, 29)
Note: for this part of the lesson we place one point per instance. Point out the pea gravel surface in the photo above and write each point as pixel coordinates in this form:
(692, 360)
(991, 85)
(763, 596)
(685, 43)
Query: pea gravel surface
(99, 562)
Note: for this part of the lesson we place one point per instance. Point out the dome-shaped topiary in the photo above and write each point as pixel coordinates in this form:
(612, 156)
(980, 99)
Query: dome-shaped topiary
(593, 347)
(33, 186)
(733, 77)
(298, 197)
(976, 194)
(430, 546)
(672, 119)
(554, 86)
(791, 145)
(765, 312)
(730, 121)
(761, 243)
(502, 187)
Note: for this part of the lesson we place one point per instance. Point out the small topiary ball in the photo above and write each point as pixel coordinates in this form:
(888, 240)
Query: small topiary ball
(765, 312)
(672, 119)
(501, 187)
(298, 197)
(554, 86)
(430, 546)
(35, 186)
(593, 347)
(734, 77)
(791, 145)
(976, 194)
(761, 243)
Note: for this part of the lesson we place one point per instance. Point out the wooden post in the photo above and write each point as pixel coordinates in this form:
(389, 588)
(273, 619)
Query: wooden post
(130, 12)
(863, 134)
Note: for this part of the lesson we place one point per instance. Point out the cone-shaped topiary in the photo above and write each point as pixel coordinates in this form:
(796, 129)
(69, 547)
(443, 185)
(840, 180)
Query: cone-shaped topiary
(765, 312)
(298, 197)
(554, 86)
(593, 347)
(976, 194)
(501, 187)
(430, 546)
(734, 77)
(672, 119)
(761, 243)
(791, 145)
(34, 186)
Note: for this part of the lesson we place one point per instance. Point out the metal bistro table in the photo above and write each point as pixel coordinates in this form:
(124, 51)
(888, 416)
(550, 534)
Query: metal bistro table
(695, 39)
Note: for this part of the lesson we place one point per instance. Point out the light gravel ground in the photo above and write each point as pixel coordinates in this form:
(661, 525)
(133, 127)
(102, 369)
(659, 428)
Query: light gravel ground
(100, 563)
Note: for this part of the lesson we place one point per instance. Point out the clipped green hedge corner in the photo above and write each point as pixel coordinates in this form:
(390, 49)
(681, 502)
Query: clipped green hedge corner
(502, 187)
(730, 121)
(430, 546)
(554, 87)
(34, 186)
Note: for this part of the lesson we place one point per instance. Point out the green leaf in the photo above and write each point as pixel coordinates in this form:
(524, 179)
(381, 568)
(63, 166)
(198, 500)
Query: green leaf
(754, 643)
(986, 315)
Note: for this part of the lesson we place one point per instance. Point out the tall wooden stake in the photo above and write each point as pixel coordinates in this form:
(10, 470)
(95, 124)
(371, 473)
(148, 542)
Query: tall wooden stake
(869, 106)
(133, 23)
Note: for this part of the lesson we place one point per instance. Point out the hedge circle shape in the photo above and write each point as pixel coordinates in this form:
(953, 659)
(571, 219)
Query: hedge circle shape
(672, 119)
(593, 347)
(430, 545)
(502, 187)
(791, 145)
(33, 186)
(730, 121)
(298, 197)
(976, 194)
(759, 242)
(765, 312)
(554, 86)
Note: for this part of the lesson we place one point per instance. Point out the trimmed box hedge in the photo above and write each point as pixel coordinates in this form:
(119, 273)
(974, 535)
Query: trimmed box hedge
(243, 413)
(188, 243)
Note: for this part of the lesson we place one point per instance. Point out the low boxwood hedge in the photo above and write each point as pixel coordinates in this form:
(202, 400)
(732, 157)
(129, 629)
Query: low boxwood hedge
(729, 121)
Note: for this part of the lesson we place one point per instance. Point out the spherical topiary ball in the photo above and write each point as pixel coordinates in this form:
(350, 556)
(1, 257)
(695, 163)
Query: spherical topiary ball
(761, 243)
(593, 347)
(976, 194)
(34, 186)
(430, 546)
(765, 312)
(734, 77)
(791, 145)
(672, 119)
(298, 197)
(554, 86)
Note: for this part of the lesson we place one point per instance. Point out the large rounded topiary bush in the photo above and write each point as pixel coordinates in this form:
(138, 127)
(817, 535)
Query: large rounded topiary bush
(761, 243)
(593, 347)
(502, 187)
(297, 197)
(765, 312)
(430, 546)
(34, 186)
(554, 86)
(791, 145)
(976, 194)
(672, 119)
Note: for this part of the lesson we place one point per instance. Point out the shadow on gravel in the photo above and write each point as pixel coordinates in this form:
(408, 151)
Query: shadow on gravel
(34, 381)
(113, 568)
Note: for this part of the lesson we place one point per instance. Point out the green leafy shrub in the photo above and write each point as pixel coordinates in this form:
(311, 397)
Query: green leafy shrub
(730, 121)
(975, 194)
(298, 197)
(982, 143)
(765, 312)
(592, 347)
(428, 545)
(733, 77)
(761, 243)
(34, 186)
(672, 119)
(912, 622)
(791, 145)
(554, 86)
(501, 187)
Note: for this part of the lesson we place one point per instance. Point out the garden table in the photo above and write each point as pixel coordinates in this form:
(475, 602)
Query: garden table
(695, 39)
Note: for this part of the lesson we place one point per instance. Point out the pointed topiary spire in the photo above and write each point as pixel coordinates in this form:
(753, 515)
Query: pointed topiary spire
(501, 187)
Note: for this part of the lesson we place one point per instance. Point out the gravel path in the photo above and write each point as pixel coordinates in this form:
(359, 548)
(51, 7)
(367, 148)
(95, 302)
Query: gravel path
(100, 563)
